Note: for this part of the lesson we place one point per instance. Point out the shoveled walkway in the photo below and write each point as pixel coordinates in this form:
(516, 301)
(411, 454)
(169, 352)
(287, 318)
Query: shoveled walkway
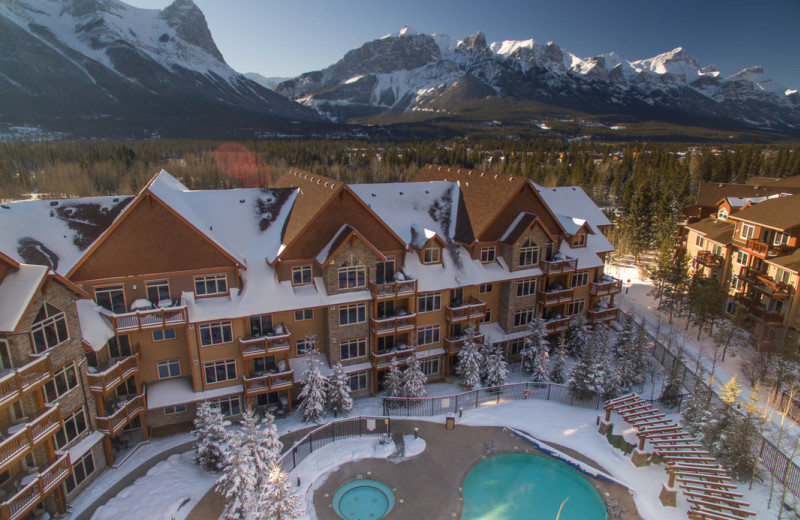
(428, 485)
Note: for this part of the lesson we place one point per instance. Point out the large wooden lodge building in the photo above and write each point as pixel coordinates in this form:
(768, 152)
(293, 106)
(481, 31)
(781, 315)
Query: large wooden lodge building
(119, 314)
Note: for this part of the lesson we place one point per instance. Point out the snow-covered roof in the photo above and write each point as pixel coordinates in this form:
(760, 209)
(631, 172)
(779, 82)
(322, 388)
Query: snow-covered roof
(300, 364)
(95, 328)
(425, 354)
(171, 392)
(55, 233)
(494, 334)
(570, 224)
(80, 449)
(16, 291)
(358, 367)
(572, 201)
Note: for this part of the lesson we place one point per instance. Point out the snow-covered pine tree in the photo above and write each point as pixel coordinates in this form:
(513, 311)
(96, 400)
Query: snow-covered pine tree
(277, 498)
(269, 439)
(605, 378)
(671, 395)
(470, 362)
(724, 418)
(578, 336)
(535, 341)
(496, 367)
(315, 385)
(414, 379)
(393, 382)
(638, 356)
(736, 442)
(581, 382)
(541, 364)
(695, 408)
(558, 373)
(239, 481)
(626, 337)
(211, 438)
(339, 400)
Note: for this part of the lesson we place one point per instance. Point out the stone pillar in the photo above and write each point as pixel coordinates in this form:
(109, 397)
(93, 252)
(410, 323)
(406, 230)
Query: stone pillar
(605, 427)
(640, 458)
(668, 496)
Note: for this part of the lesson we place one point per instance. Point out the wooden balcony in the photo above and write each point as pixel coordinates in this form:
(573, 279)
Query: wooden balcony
(763, 249)
(556, 297)
(109, 379)
(24, 380)
(32, 494)
(474, 309)
(767, 318)
(745, 299)
(266, 345)
(148, 319)
(603, 315)
(384, 359)
(126, 412)
(393, 290)
(705, 258)
(605, 288)
(453, 345)
(31, 435)
(393, 325)
(749, 275)
(557, 326)
(773, 289)
(554, 267)
(267, 383)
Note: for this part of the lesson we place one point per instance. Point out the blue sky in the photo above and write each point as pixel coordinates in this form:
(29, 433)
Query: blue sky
(286, 38)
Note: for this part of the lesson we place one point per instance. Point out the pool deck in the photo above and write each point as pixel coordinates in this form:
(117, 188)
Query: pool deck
(428, 485)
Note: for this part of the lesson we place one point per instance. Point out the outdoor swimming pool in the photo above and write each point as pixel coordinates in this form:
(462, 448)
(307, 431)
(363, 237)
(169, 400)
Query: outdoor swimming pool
(524, 486)
(363, 499)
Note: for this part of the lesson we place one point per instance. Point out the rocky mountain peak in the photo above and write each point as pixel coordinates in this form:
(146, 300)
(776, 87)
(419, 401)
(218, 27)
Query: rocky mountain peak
(190, 25)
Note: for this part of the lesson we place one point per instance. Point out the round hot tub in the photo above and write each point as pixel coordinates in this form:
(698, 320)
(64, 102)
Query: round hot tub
(363, 499)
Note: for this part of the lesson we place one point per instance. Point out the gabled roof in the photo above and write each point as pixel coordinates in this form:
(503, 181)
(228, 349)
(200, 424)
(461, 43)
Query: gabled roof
(573, 202)
(713, 229)
(781, 182)
(520, 226)
(789, 262)
(781, 213)
(338, 240)
(709, 193)
(314, 192)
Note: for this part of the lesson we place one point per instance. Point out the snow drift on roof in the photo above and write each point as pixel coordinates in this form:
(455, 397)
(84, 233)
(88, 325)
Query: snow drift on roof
(95, 328)
(16, 291)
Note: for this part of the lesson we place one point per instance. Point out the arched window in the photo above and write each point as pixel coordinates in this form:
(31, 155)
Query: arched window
(49, 328)
(528, 253)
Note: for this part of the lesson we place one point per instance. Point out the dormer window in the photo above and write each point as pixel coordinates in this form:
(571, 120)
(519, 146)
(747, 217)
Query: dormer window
(49, 328)
(529, 253)
(431, 255)
(722, 214)
(301, 275)
(579, 240)
(488, 254)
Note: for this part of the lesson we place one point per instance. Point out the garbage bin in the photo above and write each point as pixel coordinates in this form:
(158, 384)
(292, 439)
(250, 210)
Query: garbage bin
(450, 422)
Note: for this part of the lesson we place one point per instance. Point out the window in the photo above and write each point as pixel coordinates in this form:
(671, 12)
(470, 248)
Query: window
(74, 425)
(738, 284)
(529, 254)
(301, 275)
(430, 366)
(780, 238)
(429, 302)
(80, 470)
(265, 364)
(730, 307)
(716, 249)
(485, 288)
(580, 279)
(119, 346)
(352, 277)
(304, 314)
(164, 334)
(576, 306)
(211, 284)
(111, 298)
(430, 255)
(158, 291)
(579, 240)
(722, 214)
(169, 368)
(523, 317)
(487, 317)
(526, 287)
(227, 405)
(428, 335)
(742, 258)
(747, 231)
(782, 275)
(49, 328)
(216, 333)
(219, 371)
(260, 326)
(169, 410)
(64, 380)
(358, 381)
(487, 254)
(350, 314)
(353, 348)
(699, 241)
(516, 346)
(304, 346)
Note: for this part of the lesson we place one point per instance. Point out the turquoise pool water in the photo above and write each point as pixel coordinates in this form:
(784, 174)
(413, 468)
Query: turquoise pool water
(363, 499)
(523, 486)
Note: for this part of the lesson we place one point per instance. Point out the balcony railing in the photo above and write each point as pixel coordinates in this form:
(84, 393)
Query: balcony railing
(110, 378)
(606, 287)
(25, 379)
(474, 309)
(384, 359)
(266, 383)
(749, 275)
(709, 260)
(767, 318)
(125, 413)
(773, 289)
(745, 299)
(453, 345)
(266, 345)
(557, 326)
(398, 289)
(394, 324)
(30, 436)
(148, 319)
(767, 250)
(556, 297)
(553, 267)
(29, 496)
(609, 314)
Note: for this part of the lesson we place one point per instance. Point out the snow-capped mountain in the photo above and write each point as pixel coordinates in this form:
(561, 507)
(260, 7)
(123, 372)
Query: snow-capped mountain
(104, 64)
(411, 71)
